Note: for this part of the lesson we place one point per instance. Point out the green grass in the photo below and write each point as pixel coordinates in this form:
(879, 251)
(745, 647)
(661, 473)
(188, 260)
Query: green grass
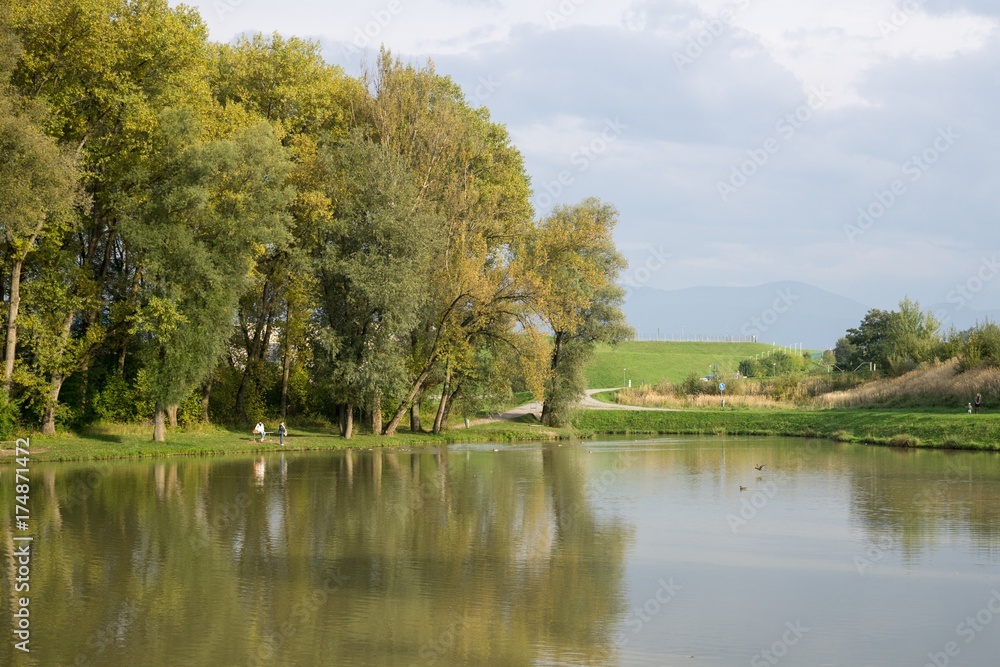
(652, 362)
(879, 427)
(134, 442)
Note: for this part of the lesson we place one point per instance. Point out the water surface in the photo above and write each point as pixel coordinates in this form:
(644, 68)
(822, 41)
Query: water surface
(602, 553)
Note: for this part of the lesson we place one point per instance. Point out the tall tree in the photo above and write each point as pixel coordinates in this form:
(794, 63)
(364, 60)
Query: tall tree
(471, 181)
(286, 82)
(40, 188)
(574, 265)
(211, 210)
(370, 270)
(106, 68)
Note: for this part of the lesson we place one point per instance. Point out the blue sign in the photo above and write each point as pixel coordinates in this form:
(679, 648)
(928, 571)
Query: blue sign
(722, 386)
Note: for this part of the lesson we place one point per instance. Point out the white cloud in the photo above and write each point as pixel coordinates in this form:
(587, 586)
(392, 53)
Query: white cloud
(555, 83)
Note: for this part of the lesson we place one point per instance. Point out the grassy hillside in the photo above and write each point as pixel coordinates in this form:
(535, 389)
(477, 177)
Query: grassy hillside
(655, 361)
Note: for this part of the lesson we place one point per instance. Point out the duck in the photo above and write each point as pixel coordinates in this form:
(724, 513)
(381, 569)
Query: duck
(760, 467)
(743, 488)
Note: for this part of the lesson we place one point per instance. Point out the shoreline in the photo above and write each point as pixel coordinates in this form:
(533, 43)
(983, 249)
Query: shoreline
(892, 428)
(134, 445)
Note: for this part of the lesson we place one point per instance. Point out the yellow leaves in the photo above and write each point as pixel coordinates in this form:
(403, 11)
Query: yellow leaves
(158, 315)
(569, 257)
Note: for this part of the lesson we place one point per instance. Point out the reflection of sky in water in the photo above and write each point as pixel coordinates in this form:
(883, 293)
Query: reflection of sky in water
(790, 549)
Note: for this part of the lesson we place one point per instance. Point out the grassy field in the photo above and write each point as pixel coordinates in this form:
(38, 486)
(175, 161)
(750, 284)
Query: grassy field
(882, 427)
(651, 362)
(134, 442)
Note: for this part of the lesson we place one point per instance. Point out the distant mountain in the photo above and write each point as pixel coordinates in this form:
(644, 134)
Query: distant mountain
(786, 313)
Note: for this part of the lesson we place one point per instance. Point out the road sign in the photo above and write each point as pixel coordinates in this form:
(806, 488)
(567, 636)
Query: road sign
(722, 386)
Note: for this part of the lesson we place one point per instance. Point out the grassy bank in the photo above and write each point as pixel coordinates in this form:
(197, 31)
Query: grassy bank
(653, 362)
(881, 427)
(134, 442)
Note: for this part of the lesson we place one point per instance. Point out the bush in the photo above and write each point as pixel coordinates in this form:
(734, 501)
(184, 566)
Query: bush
(118, 401)
(981, 348)
(9, 411)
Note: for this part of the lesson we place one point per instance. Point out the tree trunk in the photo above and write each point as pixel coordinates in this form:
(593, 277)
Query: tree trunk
(121, 359)
(286, 372)
(390, 428)
(206, 397)
(377, 416)
(241, 393)
(415, 426)
(123, 352)
(172, 415)
(348, 421)
(49, 417)
(447, 408)
(55, 386)
(159, 423)
(553, 381)
(445, 391)
(15, 303)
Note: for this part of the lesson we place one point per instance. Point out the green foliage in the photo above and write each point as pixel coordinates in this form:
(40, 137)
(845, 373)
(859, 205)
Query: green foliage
(9, 413)
(575, 268)
(981, 347)
(179, 208)
(120, 401)
(774, 365)
(895, 341)
(370, 262)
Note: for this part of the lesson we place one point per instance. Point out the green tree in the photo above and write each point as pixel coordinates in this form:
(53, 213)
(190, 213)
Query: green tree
(895, 341)
(286, 82)
(913, 336)
(575, 266)
(869, 342)
(371, 270)
(981, 347)
(471, 183)
(105, 68)
(211, 209)
(40, 188)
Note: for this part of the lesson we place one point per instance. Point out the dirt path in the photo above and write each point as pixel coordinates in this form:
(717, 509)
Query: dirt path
(534, 408)
(588, 402)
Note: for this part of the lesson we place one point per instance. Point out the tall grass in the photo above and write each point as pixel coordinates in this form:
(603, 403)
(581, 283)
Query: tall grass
(741, 393)
(936, 385)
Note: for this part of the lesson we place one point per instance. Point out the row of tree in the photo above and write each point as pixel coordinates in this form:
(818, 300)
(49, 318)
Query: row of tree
(896, 341)
(195, 230)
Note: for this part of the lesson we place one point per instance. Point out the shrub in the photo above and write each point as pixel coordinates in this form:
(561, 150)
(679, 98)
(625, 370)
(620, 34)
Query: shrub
(981, 348)
(9, 411)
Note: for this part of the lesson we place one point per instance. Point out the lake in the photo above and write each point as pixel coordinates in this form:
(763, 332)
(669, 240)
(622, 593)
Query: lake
(595, 553)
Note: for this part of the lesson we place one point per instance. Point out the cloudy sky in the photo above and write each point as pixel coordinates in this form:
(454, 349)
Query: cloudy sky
(851, 145)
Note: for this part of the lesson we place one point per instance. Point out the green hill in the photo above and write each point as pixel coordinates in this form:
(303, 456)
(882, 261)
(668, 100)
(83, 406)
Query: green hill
(651, 362)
